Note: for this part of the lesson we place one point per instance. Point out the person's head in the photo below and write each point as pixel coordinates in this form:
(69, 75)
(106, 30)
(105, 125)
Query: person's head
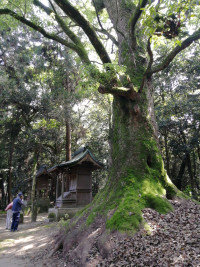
(20, 194)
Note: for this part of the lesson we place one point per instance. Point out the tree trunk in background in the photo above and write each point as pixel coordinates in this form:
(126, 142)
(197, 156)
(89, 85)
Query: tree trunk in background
(3, 200)
(68, 140)
(198, 152)
(10, 160)
(33, 200)
(192, 180)
(178, 181)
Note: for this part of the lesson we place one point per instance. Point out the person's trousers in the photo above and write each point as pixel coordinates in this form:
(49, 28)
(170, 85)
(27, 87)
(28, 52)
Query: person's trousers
(9, 219)
(15, 221)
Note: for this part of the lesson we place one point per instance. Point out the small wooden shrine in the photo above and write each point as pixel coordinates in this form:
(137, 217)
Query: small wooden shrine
(45, 184)
(74, 179)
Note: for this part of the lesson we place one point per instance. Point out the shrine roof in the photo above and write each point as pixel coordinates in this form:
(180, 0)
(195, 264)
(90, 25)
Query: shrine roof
(42, 170)
(81, 155)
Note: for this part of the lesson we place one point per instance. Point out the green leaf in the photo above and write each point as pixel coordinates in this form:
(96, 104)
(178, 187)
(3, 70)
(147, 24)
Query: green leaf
(178, 42)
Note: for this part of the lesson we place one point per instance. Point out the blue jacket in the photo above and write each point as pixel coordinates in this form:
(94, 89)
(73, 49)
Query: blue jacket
(17, 205)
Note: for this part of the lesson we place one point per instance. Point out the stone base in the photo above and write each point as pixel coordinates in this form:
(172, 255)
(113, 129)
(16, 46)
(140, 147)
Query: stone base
(60, 212)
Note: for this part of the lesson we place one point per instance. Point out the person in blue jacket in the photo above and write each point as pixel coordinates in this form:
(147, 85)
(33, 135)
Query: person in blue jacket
(16, 208)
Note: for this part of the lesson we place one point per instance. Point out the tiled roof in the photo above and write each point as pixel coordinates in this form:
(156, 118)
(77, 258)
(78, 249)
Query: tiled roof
(79, 156)
(42, 170)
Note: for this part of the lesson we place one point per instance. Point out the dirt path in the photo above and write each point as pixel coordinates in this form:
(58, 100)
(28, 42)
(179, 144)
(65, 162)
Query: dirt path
(28, 246)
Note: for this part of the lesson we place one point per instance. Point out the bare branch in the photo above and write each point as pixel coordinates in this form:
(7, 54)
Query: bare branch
(148, 70)
(150, 53)
(137, 15)
(168, 59)
(20, 10)
(97, 15)
(52, 6)
(42, 6)
(102, 30)
(110, 36)
(46, 34)
(76, 16)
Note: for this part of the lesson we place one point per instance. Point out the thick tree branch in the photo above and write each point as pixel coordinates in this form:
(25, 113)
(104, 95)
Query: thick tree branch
(148, 70)
(63, 25)
(76, 16)
(120, 91)
(134, 19)
(187, 42)
(150, 54)
(43, 7)
(51, 36)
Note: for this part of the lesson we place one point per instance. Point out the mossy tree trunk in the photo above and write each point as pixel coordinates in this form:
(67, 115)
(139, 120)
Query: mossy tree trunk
(137, 177)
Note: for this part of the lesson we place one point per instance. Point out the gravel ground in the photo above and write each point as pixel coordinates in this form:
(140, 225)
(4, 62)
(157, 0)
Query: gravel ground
(28, 246)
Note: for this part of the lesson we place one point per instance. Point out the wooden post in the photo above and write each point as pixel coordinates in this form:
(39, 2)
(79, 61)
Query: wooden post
(62, 185)
(57, 187)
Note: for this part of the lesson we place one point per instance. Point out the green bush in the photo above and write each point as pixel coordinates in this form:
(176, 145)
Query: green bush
(27, 210)
(63, 217)
(2, 212)
(52, 216)
(64, 221)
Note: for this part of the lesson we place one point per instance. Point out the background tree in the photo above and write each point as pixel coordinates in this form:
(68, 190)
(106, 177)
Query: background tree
(177, 101)
(35, 101)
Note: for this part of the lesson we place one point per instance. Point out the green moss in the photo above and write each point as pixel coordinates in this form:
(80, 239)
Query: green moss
(157, 203)
(140, 191)
(136, 74)
(123, 204)
(128, 4)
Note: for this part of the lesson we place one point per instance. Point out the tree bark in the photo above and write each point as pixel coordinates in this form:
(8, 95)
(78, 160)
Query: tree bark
(33, 200)
(11, 150)
(68, 140)
(178, 181)
(192, 180)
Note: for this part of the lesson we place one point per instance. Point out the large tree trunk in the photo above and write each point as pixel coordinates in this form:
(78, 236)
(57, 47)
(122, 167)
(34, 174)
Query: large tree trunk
(68, 140)
(10, 162)
(179, 178)
(192, 178)
(135, 134)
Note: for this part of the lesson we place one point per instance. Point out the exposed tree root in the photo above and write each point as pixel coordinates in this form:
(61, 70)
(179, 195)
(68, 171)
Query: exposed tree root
(94, 245)
(58, 244)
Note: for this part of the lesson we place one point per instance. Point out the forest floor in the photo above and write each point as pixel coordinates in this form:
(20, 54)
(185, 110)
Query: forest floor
(172, 240)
